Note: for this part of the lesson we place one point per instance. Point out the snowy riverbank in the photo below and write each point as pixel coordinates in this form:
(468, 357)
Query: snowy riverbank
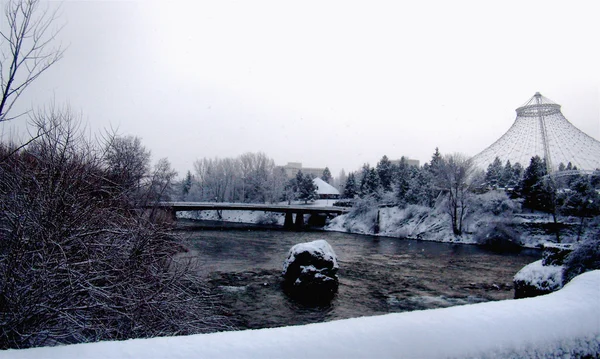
(562, 324)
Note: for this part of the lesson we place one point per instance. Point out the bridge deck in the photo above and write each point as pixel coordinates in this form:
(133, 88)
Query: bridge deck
(203, 206)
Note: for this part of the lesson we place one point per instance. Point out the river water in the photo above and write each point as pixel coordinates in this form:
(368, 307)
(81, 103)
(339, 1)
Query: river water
(377, 275)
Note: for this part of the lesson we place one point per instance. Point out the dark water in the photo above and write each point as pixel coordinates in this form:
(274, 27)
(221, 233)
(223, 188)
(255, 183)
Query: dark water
(377, 275)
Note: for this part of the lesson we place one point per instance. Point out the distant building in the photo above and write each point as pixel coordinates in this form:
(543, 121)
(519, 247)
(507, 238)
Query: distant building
(325, 190)
(408, 161)
(292, 168)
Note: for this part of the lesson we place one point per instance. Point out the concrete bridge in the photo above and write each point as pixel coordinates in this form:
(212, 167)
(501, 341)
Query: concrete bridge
(289, 210)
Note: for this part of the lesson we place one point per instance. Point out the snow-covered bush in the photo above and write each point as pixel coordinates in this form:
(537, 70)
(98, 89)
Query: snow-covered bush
(362, 218)
(537, 279)
(584, 258)
(499, 237)
(496, 203)
(268, 219)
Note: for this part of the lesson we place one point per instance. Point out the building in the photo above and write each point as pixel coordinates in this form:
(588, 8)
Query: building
(325, 190)
(408, 161)
(292, 168)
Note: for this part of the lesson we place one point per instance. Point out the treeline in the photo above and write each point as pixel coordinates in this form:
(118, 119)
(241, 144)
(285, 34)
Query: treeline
(452, 181)
(80, 260)
(248, 178)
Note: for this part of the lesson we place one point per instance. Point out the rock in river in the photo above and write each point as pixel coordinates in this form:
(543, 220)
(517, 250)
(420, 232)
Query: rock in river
(310, 272)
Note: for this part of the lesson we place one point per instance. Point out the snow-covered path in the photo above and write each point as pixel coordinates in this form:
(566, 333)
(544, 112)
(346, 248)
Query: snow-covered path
(554, 325)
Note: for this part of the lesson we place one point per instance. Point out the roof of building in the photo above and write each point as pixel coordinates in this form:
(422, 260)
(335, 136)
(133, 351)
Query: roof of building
(324, 187)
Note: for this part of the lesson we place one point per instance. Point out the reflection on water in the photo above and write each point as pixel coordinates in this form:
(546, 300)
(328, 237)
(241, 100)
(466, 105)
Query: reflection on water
(377, 275)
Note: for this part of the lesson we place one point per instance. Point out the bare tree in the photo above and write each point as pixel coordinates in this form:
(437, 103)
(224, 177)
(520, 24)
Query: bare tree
(27, 49)
(454, 178)
(76, 263)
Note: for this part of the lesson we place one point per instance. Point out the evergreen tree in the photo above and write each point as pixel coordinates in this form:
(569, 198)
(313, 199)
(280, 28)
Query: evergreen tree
(436, 163)
(419, 188)
(364, 172)
(561, 167)
(307, 190)
(402, 179)
(385, 171)
(186, 185)
(326, 176)
(531, 186)
(371, 184)
(350, 190)
(507, 178)
(517, 173)
(569, 167)
(493, 174)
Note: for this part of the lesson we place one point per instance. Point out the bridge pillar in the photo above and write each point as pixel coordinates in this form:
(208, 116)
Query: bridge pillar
(299, 220)
(289, 220)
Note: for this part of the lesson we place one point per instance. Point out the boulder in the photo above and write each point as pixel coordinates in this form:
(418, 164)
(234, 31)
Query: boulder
(537, 279)
(310, 272)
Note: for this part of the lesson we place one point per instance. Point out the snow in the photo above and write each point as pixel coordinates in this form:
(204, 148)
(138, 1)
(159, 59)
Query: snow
(565, 323)
(540, 276)
(324, 187)
(319, 248)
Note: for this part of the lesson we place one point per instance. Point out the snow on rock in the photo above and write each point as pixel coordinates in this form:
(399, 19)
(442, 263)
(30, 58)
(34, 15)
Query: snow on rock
(563, 324)
(310, 272)
(537, 279)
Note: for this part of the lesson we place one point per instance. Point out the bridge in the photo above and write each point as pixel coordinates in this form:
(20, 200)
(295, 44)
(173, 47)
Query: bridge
(289, 210)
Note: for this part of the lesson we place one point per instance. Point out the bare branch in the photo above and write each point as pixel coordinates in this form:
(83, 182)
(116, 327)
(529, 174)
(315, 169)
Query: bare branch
(29, 37)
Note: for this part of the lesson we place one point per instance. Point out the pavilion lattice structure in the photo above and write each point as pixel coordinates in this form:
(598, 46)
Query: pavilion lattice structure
(541, 129)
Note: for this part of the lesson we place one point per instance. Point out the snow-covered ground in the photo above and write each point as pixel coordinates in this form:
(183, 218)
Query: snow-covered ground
(563, 324)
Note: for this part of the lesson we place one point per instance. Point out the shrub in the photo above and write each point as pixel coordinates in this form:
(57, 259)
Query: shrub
(268, 219)
(585, 257)
(78, 263)
(498, 237)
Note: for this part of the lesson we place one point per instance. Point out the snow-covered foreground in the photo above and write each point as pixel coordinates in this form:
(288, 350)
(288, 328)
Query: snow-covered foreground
(566, 322)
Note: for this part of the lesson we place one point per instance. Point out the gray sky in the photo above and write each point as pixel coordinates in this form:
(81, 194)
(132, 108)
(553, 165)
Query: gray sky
(324, 83)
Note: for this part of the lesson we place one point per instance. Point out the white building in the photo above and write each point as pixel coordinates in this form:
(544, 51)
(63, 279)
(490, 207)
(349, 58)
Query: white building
(325, 190)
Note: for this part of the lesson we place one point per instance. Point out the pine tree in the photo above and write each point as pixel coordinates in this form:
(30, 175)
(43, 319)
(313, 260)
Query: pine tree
(350, 190)
(402, 179)
(385, 171)
(307, 190)
(326, 176)
(186, 184)
(436, 162)
(507, 178)
(371, 184)
(531, 186)
(493, 174)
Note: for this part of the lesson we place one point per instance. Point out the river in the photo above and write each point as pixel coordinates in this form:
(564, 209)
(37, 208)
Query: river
(377, 275)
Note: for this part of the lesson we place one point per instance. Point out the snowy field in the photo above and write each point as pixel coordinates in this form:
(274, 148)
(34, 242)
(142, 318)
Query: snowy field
(563, 324)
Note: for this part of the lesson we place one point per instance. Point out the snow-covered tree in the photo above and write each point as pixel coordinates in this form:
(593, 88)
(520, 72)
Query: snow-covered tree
(454, 177)
(307, 190)
(402, 179)
(493, 175)
(326, 176)
(531, 187)
(350, 188)
(370, 185)
(385, 171)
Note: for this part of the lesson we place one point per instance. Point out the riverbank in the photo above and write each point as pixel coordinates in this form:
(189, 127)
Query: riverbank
(411, 222)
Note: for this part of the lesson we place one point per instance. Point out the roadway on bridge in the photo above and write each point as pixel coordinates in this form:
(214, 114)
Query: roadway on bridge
(218, 206)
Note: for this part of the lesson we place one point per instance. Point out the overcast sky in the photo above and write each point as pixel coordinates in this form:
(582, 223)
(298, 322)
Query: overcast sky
(324, 83)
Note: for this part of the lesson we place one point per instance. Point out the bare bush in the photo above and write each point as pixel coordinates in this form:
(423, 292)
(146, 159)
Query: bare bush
(77, 264)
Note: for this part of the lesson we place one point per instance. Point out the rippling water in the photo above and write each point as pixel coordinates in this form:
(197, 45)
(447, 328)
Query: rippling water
(377, 275)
